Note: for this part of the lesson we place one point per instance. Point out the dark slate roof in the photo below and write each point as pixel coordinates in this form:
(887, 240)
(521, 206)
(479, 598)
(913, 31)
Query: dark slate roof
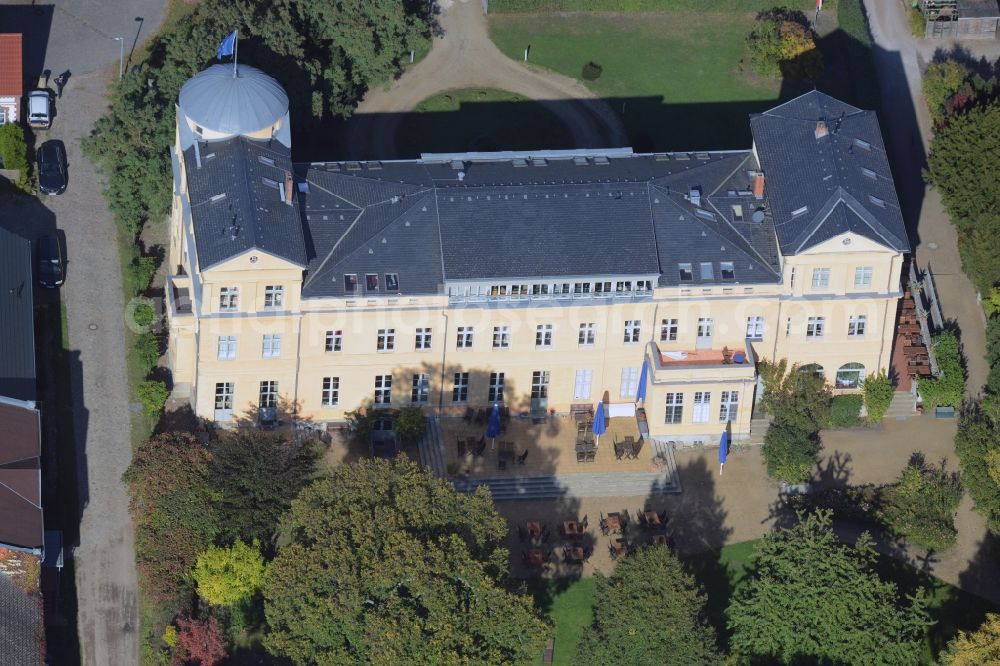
(485, 217)
(977, 9)
(251, 214)
(22, 636)
(20, 477)
(842, 180)
(17, 328)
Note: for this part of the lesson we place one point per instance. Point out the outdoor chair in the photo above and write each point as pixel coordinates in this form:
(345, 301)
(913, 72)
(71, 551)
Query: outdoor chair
(521, 458)
(581, 456)
(636, 447)
(591, 456)
(625, 518)
(583, 525)
(613, 551)
(619, 450)
(501, 464)
(480, 447)
(641, 517)
(604, 525)
(470, 414)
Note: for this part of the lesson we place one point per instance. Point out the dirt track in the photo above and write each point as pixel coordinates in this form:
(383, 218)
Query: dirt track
(465, 57)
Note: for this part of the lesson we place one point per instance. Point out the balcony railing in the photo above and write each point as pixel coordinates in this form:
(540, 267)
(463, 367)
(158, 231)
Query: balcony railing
(531, 298)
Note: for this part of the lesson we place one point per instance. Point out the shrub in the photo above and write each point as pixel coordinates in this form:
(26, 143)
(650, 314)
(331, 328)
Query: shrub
(200, 641)
(14, 151)
(921, 505)
(941, 81)
(592, 71)
(147, 352)
(409, 424)
(152, 393)
(977, 444)
(948, 388)
(139, 274)
(793, 396)
(845, 411)
(878, 392)
(228, 576)
(789, 452)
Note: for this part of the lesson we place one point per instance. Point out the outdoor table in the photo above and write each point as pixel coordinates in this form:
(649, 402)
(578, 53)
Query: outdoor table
(614, 523)
(570, 528)
(576, 553)
(652, 519)
(536, 558)
(534, 528)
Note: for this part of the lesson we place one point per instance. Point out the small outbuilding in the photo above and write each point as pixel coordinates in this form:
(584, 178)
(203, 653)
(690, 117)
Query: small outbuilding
(961, 19)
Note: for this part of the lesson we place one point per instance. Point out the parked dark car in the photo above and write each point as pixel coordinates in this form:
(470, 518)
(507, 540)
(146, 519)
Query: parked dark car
(52, 167)
(51, 265)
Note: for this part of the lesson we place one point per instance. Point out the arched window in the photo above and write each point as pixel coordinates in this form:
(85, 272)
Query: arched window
(814, 369)
(850, 375)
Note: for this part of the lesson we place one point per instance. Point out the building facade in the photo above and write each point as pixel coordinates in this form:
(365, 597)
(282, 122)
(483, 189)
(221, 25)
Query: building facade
(539, 281)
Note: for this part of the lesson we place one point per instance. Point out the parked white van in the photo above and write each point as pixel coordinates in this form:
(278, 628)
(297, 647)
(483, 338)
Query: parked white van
(40, 109)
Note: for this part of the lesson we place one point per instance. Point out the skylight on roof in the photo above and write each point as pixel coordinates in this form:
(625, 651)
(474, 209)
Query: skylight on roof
(862, 144)
(800, 211)
(705, 214)
(263, 159)
(875, 200)
(868, 172)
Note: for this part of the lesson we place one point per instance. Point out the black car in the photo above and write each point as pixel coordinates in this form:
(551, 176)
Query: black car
(51, 271)
(52, 167)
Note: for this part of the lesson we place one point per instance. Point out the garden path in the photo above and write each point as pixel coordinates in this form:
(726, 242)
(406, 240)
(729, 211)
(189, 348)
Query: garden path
(464, 56)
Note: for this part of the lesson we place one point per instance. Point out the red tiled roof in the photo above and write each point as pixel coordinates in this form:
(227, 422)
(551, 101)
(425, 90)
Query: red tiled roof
(11, 77)
(20, 491)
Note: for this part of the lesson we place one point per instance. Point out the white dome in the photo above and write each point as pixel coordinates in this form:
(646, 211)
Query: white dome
(218, 101)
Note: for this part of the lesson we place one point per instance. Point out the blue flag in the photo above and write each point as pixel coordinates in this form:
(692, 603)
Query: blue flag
(226, 47)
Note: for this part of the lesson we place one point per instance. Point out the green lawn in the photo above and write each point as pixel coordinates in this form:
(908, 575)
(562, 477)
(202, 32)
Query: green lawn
(675, 75)
(480, 119)
(720, 573)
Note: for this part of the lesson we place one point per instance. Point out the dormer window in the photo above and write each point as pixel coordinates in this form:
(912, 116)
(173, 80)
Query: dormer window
(727, 270)
(371, 281)
(706, 271)
(686, 272)
(392, 282)
(350, 283)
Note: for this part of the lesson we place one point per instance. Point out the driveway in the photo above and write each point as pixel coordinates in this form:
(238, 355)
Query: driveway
(77, 36)
(464, 56)
(901, 60)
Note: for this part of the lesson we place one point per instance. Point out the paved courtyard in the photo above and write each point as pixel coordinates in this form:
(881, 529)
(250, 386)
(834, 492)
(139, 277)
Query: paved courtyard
(739, 505)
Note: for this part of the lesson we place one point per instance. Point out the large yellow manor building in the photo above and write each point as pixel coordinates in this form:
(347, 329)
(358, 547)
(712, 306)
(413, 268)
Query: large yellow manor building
(538, 280)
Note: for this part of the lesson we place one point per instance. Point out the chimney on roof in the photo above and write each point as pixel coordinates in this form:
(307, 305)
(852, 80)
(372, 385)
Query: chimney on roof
(694, 196)
(289, 187)
(820, 130)
(758, 185)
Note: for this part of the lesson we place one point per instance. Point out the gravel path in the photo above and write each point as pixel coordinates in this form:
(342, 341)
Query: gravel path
(465, 57)
(77, 35)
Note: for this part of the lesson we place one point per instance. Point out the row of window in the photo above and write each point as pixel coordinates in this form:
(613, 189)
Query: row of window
(821, 277)
(420, 388)
(372, 284)
(423, 337)
(701, 407)
(229, 298)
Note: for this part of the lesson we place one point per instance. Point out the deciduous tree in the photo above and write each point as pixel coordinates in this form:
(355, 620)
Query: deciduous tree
(199, 642)
(811, 599)
(387, 564)
(172, 506)
(921, 505)
(977, 444)
(649, 611)
(256, 475)
(978, 648)
(941, 81)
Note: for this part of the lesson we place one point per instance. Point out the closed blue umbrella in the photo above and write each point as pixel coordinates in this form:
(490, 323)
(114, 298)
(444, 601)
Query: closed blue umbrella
(723, 450)
(493, 427)
(640, 394)
(599, 428)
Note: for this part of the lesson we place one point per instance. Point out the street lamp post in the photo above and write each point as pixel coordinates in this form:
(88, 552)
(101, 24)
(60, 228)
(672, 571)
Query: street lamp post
(121, 55)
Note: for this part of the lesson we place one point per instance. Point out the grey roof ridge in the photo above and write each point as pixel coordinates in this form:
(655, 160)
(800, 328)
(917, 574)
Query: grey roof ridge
(652, 223)
(5, 486)
(313, 183)
(347, 232)
(839, 196)
(771, 112)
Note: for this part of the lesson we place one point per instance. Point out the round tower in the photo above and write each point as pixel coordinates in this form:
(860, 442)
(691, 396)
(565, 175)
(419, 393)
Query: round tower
(218, 104)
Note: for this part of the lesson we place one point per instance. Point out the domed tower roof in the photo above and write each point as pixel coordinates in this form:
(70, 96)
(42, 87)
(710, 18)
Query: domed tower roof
(246, 103)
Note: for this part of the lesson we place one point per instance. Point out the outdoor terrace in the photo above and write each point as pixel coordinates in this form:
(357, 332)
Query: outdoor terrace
(551, 448)
(735, 361)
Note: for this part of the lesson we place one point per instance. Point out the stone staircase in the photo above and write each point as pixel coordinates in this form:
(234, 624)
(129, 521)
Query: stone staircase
(431, 448)
(581, 484)
(758, 428)
(901, 407)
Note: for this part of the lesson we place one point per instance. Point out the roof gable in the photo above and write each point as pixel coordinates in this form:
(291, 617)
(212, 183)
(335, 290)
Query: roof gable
(827, 172)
